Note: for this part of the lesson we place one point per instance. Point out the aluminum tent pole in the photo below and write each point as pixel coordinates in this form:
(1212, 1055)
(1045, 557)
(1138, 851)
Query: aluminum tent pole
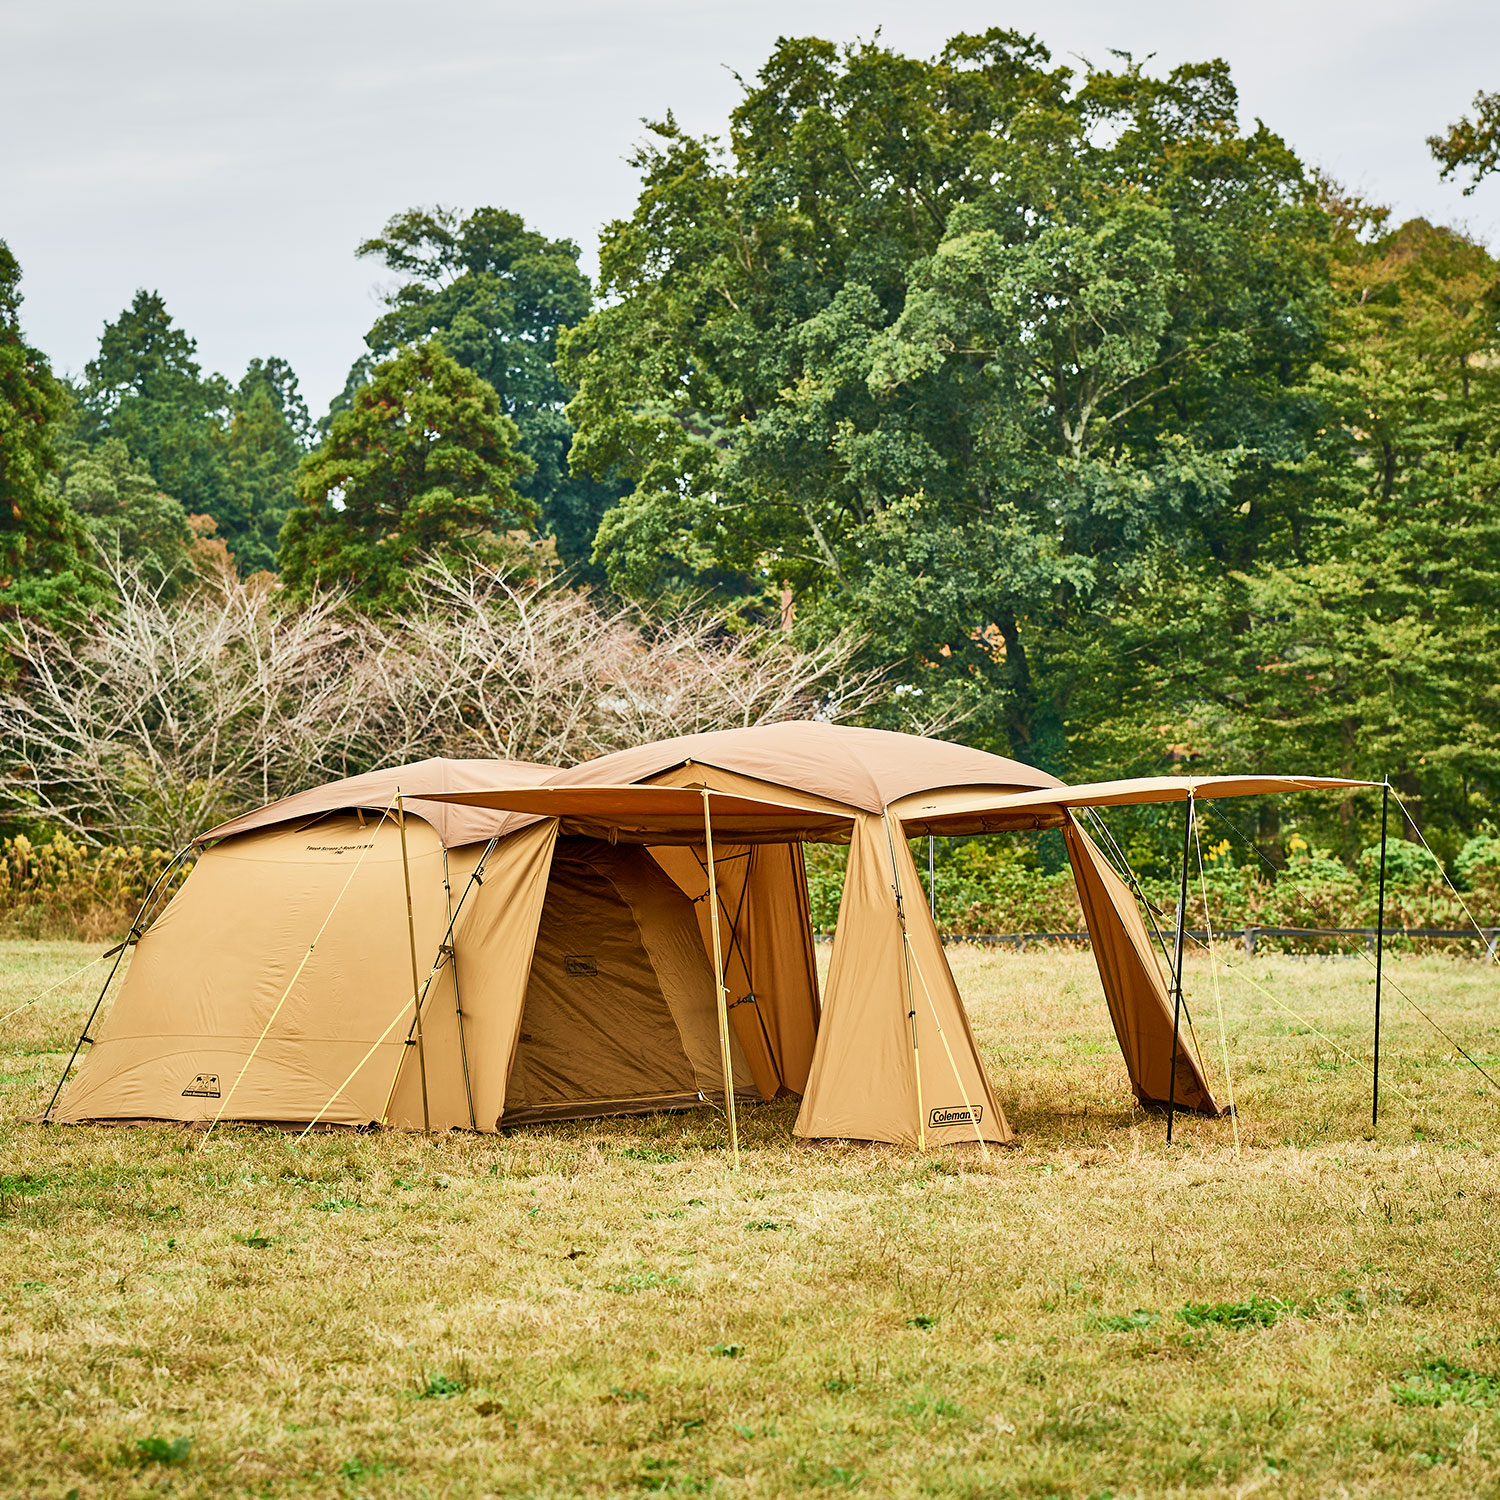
(931, 879)
(416, 984)
(721, 995)
(1187, 838)
(1385, 807)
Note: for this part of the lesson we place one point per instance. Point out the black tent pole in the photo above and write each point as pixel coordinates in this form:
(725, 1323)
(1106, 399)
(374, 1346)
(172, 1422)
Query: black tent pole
(1385, 806)
(1187, 840)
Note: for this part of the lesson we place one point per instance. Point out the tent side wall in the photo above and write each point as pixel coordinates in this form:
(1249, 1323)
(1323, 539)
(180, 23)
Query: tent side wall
(494, 938)
(1139, 1005)
(864, 1081)
(294, 990)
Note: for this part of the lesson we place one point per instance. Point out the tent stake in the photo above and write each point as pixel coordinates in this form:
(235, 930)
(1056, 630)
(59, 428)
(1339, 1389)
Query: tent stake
(1187, 835)
(416, 984)
(1385, 806)
(720, 993)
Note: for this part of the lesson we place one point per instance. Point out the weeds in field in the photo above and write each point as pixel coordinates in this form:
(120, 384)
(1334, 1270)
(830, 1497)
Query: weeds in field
(1087, 1313)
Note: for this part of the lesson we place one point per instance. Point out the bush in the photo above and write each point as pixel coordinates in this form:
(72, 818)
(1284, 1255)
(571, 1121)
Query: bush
(63, 888)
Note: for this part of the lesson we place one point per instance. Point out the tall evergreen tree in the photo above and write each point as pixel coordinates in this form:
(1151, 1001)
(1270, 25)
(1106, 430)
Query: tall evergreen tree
(46, 566)
(496, 294)
(146, 387)
(226, 452)
(269, 430)
(424, 463)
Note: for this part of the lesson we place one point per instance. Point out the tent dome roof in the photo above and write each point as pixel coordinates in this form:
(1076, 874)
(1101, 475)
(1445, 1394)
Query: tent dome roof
(455, 824)
(864, 768)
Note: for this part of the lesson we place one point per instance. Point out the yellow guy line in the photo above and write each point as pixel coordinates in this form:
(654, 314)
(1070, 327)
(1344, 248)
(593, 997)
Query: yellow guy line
(1297, 1016)
(374, 1046)
(1208, 923)
(42, 994)
(291, 983)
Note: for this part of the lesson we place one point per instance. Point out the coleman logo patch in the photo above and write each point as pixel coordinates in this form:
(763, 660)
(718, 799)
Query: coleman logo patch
(955, 1114)
(204, 1086)
(580, 963)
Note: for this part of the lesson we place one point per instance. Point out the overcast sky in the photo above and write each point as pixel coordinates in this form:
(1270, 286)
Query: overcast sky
(232, 156)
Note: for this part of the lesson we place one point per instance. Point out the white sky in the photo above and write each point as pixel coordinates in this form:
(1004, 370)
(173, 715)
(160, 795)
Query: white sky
(232, 156)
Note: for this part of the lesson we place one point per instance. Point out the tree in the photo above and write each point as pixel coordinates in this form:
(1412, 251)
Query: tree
(146, 388)
(45, 556)
(496, 294)
(1474, 144)
(424, 464)
(226, 452)
(959, 349)
(269, 431)
(169, 713)
(125, 511)
(1373, 645)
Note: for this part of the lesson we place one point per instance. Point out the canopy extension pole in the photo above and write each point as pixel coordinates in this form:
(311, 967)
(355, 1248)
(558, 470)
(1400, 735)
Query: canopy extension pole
(1187, 844)
(720, 993)
(911, 999)
(1385, 807)
(416, 984)
(931, 879)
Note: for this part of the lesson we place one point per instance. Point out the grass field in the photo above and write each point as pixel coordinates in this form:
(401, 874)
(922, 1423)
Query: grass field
(603, 1309)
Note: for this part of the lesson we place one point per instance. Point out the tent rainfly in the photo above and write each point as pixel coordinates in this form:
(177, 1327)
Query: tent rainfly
(471, 944)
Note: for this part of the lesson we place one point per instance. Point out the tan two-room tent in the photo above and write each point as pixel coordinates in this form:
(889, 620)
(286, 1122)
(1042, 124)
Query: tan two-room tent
(559, 958)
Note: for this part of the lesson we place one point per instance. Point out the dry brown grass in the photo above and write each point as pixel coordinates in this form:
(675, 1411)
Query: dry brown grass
(558, 1312)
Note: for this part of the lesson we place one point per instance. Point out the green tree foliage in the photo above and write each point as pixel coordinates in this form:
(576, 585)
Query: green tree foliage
(1370, 643)
(269, 431)
(124, 509)
(45, 555)
(226, 452)
(1474, 144)
(423, 464)
(960, 349)
(146, 388)
(496, 293)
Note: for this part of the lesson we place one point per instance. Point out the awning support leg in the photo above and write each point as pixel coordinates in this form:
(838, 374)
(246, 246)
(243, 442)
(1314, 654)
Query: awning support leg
(1385, 807)
(721, 995)
(1187, 841)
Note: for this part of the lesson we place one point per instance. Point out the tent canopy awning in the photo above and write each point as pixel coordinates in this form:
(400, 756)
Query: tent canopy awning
(662, 814)
(984, 812)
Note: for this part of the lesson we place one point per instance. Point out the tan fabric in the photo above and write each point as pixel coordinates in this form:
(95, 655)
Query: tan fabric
(207, 977)
(863, 1083)
(770, 969)
(620, 1010)
(659, 814)
(455, 825)
(865, 769)
(1139, 1003)
(989, 811)
(493, 937)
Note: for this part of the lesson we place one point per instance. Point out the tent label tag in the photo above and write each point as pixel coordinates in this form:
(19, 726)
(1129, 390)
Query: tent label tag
(955, 1114)
(580, 963)
(204, 1086)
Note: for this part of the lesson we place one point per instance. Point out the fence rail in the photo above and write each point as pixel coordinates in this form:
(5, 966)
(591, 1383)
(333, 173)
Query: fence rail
(1250, 936)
